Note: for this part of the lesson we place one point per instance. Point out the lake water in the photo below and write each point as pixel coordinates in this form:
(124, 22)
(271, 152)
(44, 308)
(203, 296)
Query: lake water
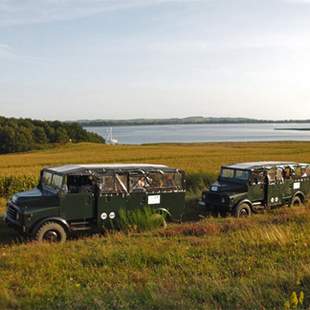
(205, 133)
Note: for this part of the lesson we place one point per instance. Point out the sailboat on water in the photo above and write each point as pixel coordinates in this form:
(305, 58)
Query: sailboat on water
(109, 137)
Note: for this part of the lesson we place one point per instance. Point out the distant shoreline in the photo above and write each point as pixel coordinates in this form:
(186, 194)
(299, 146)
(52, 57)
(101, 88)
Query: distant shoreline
(296, 129)
(183, 121)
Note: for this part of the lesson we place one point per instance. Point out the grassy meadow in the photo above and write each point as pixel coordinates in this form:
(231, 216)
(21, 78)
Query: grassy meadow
(205, 157)
(214, 263)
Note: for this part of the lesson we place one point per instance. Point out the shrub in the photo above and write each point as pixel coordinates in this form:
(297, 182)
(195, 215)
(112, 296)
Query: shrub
(196, 182)
(11, 184)
(139, 220)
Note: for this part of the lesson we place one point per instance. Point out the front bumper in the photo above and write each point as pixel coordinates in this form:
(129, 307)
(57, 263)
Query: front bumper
(214, 208)
(14, 224)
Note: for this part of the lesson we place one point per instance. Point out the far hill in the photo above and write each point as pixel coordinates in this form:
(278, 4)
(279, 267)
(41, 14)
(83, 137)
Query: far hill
(180, 121)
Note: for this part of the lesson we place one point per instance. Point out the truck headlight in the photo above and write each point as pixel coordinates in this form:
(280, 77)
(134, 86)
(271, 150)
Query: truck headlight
(14, 199)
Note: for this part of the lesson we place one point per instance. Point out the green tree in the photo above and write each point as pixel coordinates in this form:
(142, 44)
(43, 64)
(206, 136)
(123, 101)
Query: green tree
(7, 138)
(39, 135)
(61, 135)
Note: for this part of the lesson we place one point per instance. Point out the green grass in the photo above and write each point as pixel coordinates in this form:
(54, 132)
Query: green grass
(253, 263)
(215, 263)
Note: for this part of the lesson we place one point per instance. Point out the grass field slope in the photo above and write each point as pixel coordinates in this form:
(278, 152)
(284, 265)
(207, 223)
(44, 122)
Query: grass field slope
(261, 262)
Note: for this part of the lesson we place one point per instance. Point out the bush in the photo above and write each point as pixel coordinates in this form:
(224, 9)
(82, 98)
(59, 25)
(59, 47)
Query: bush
(10, 185)
(197, 182)
(139, 220)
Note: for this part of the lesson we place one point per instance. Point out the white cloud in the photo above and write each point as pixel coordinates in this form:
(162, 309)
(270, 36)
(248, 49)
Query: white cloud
(15, 12)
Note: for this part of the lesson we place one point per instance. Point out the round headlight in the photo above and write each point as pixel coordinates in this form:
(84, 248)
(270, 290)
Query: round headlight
(14, 199)
(112, 215)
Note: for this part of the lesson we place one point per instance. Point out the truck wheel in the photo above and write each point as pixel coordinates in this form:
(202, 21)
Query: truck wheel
(159, 220)
(296, 202)
(51, 232)
(242, 210)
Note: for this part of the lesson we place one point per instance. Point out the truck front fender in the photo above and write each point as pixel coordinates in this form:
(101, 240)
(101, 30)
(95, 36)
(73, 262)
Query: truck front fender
(247, 201)
(300, 194)
(58, 220)
(163, 211)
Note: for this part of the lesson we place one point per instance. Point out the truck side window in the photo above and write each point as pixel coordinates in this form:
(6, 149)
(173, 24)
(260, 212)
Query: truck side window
(279, 175)
(156, 180)
(178, 177)
(121, 183)
(138, 182)
(304, 171)
(271, 176)
(79, 183)
(257, 177)
(108, 184)
(169, 180)
(298, 172)
(287, 173)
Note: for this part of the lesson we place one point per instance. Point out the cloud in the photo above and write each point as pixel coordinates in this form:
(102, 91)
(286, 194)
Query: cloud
(16, 12)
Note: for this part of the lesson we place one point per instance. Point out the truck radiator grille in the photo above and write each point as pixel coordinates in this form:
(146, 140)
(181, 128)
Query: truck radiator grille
(213, 198)
(12, 212)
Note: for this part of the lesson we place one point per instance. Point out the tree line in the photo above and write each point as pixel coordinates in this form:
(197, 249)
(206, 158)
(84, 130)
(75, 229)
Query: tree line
(186, 121)
(20, 135)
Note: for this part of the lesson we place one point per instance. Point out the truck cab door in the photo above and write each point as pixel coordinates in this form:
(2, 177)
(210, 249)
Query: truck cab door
(112, 197)
(78, 206)
(256, 187)
(138, 185)
(278, 188)
(79, 203)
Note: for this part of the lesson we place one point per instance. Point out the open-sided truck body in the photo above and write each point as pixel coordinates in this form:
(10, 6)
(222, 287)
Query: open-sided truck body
(250, 187)
(90, 197)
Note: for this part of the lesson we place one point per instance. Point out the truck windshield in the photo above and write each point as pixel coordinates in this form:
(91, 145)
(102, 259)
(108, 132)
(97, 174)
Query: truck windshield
(235, 174)
(52, 180)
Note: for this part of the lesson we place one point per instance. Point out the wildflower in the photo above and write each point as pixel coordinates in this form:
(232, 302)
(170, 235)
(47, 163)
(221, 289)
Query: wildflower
(294, 300)
(301, 297)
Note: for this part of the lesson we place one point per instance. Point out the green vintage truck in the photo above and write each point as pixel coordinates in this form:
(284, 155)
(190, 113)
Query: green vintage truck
(244, 188)
(76, 198)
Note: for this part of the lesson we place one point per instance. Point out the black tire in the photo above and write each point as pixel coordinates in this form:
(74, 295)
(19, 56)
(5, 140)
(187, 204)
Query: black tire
(242, 210)
(296, 202)
(51, 232)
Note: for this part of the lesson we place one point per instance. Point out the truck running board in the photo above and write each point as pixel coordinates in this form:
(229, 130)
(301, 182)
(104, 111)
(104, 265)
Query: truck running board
(79, 226)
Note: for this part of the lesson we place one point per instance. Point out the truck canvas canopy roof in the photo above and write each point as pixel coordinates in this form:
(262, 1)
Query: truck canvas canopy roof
(81, 168)
(259, 165)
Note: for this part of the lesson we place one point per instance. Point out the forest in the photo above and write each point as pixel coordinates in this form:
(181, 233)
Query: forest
(21, 135)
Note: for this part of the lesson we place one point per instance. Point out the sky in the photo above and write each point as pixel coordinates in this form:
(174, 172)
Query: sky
(121, 59)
